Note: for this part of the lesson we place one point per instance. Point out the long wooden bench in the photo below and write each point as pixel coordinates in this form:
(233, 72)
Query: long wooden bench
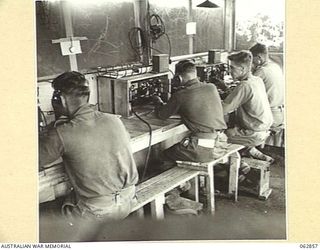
(153, 190)
(55, 183)
(231, 155)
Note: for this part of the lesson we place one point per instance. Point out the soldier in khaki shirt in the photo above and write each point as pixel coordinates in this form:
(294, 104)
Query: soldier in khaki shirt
(250, 102)
(272, 77)
(95, 148)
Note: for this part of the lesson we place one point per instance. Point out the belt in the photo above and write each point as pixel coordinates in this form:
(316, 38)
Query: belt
(211, 135)
(207, 143)
(113, 197)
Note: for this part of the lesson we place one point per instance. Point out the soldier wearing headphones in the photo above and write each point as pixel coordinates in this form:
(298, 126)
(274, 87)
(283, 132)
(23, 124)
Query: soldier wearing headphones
(200, 108)
(95, 148)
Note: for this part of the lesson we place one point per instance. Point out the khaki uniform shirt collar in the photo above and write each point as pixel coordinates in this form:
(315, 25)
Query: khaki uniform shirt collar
(84, 109)
(191, 82)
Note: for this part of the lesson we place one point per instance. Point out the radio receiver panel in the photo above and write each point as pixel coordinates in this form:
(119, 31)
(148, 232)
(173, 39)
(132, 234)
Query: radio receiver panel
(120, 96)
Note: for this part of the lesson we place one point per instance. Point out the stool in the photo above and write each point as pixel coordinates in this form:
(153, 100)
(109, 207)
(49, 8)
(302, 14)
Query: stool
(206, 169)
(260, 171)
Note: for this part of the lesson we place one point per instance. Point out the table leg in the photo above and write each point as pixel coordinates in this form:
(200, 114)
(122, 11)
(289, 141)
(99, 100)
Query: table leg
(210, 190)
(140, 213)
(233, 175)
(196, 188)
(157, 207)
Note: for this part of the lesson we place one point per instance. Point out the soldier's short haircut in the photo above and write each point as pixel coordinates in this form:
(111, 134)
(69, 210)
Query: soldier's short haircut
(185, 66)
(259, 48)
(243, 57)
(71, 83)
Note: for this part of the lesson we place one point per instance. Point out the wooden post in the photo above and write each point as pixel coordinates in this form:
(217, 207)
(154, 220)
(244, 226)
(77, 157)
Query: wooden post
(190, 19)
(141, 12)
(196, 188)
(210, 189)
(136, 8)
(69, 31)
(229, 25)
(233, 175)
(157, 207)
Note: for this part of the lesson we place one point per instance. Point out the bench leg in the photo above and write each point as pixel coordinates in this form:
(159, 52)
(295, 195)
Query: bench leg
(157, 207)
(233, 176)
(196, 188)
(140, 213)
(210, 190)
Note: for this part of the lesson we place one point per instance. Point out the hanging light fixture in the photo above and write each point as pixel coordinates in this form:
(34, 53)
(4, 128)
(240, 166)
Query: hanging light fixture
(207, 4)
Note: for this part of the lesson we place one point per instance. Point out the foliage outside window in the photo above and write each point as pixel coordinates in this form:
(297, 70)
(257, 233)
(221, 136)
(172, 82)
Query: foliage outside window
(260, 21)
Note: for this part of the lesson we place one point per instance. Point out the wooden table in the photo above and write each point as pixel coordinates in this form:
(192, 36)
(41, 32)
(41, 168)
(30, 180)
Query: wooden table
(54, 182)
(161, 130)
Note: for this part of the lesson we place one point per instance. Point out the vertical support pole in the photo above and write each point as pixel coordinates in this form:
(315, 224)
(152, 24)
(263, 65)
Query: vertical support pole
(190, 19)
(69, 31)
(136, 8)
(233, 175)
(157, 207)
(141, 12)
(210, 189)
(233, 27)
(229, 25)
(196, 188)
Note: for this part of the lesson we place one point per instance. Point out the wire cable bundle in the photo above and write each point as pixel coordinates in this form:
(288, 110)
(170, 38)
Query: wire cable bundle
(139, 39)
(149, 146)
(158, 29)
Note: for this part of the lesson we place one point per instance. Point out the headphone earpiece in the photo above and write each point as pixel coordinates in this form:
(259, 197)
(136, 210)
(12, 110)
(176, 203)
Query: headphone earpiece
(56, 103)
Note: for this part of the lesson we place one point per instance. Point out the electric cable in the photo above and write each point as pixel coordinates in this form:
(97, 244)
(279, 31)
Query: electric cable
(171, 72)
(155, 49)
(149, 146)
(133, 33)
(169, 42)
(158, 29)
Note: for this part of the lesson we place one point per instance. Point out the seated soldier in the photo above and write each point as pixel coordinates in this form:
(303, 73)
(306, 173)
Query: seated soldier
(272, 77)
(95, 149)
(199, 106)
(249, 100)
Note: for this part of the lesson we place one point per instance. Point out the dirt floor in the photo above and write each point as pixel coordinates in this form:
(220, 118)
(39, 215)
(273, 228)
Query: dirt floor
(247, 219)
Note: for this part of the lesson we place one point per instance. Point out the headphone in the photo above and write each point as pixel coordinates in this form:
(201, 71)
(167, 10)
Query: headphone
(56, 103)
(179, 68)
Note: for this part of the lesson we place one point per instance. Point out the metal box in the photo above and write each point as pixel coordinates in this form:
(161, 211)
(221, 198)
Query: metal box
(160, 63)
(120, 96)
(217, 56)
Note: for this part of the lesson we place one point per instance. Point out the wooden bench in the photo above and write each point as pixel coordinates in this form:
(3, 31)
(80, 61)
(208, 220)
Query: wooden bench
(153, 190)
(231, 155)
(55, 183)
